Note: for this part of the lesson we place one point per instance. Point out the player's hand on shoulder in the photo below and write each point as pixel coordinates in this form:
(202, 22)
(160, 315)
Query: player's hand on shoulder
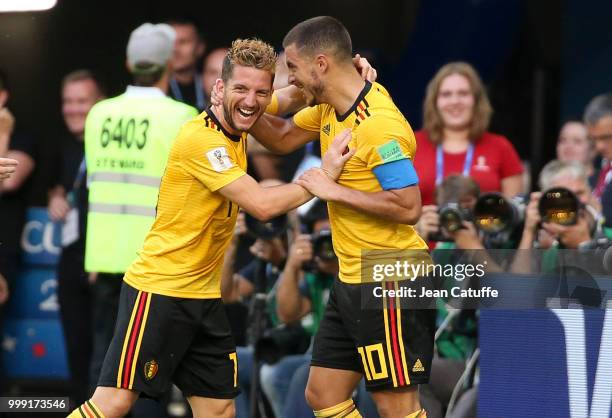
(7, 167)
(365, 68)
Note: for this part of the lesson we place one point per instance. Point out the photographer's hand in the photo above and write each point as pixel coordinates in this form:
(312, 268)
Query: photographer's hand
(301, 252)
(532, 220)
(571, 235)
(429, 222)
(467, 238)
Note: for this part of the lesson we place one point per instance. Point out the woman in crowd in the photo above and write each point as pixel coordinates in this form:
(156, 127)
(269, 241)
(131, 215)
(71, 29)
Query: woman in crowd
(574, 144)
(455, 140)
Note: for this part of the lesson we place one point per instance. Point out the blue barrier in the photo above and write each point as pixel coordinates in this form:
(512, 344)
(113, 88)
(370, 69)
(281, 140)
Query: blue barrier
(546, 363)
(34, 349)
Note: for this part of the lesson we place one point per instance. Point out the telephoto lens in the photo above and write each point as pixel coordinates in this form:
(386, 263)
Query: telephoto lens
(560, 206)
(494, 213)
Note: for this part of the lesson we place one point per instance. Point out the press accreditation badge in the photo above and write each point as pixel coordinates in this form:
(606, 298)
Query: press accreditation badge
(219, 159)
(70, 230)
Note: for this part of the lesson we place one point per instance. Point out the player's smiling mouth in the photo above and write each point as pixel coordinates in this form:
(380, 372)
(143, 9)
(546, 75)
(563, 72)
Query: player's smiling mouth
(245, 113)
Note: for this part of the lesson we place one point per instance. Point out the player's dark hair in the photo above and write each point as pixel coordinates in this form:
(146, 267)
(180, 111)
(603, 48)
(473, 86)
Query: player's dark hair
(146, 74)
(321, 34)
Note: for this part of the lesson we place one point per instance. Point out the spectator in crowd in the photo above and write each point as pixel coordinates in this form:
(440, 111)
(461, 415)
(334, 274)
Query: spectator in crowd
(455, 140)
(573, 176)
(598, 119)
(574, 144)
(127, 141)
(19, 150)
(186, 82)
(7, 165)
(213, 64)
(68, 204)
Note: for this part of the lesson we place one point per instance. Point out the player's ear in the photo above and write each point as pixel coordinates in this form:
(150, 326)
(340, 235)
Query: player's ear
(322, 63)
(219, 85)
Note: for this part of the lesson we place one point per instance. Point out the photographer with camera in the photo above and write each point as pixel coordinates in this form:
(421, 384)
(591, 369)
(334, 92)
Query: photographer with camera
(449, 222)
(575, 228)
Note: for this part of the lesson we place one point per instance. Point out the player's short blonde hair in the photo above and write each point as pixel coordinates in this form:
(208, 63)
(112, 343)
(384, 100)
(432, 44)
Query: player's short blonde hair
(249, 53)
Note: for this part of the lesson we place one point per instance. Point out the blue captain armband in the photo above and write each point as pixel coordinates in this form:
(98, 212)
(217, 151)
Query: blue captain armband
(396, 175)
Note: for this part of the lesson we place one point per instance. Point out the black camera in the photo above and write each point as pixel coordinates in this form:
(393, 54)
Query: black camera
(451, 218)
(494, 213)
(281, 341)
(322, 245)
(273, 228)
(559, 205)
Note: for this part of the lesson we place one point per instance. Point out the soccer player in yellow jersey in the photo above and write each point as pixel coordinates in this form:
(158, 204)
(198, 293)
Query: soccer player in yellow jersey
(171, 326)
(372, 206)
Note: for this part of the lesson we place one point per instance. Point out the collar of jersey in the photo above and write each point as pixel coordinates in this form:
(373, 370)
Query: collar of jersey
(235, 138)
(140, 91)
(362, 94)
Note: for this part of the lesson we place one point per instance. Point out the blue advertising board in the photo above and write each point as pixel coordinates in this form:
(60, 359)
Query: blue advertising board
(547, 363)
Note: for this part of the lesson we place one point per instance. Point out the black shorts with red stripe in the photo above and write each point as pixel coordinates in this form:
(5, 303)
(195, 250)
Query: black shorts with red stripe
(390, 345)
(160, 340)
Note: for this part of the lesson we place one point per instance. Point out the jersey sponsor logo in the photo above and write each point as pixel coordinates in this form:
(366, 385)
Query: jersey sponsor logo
(326, 129)
(481, 164)
(219, 159)
(150, 369)
(418, 366)
(390, 151)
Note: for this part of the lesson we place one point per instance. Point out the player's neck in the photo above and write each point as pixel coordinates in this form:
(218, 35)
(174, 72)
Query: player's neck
(163, 82)
(185, 76)
(343, 89)
(220, 115)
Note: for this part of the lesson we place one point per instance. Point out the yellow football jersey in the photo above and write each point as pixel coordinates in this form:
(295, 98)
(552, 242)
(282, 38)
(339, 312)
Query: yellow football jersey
(183, 253)
(381, 134)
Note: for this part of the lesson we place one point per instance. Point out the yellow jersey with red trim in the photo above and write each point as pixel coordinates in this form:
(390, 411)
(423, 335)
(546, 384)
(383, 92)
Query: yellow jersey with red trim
(381, 134)
(182, 255)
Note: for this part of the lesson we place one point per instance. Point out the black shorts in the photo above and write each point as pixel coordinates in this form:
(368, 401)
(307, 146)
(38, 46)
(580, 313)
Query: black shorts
(392, 347)
(160, 340)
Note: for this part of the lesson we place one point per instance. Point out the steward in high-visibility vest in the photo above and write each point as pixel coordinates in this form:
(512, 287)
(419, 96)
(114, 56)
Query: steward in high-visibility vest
(127, 142)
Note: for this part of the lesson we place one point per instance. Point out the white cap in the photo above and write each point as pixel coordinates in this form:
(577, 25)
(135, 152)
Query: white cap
(151, 44)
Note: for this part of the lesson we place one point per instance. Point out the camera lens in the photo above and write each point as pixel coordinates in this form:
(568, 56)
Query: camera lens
(559, 205)
(493, 213)
(451, 218)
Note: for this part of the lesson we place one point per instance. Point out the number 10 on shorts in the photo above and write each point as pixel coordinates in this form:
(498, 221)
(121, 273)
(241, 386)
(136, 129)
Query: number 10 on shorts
(373, 359)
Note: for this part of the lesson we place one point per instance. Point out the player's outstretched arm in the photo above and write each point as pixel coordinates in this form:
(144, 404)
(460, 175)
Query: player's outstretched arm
(399, 205)
(265, 203)
(279, 135)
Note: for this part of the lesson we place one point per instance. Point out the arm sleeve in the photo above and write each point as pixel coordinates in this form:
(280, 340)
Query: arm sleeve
(272, 108)
(209, 157)
(511, 164)
(387, 147)
(309, 118)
